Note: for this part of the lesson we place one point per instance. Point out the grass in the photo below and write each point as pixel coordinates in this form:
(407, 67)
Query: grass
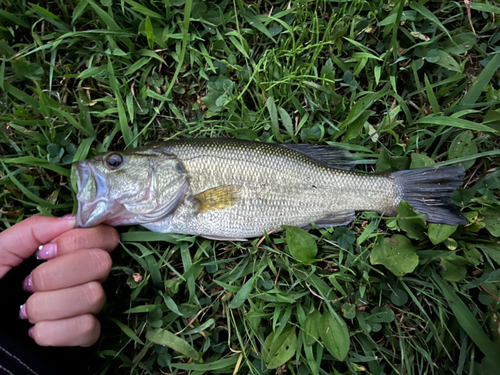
(400, 84)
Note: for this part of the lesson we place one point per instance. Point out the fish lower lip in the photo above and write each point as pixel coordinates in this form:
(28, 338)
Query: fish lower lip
(82, 175)
(88, 201)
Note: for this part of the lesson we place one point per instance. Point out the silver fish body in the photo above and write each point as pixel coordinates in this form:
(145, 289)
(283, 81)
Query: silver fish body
(231, 189)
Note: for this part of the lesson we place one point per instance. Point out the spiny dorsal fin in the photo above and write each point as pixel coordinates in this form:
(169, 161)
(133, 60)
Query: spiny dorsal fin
(218, 198)
(333, 156)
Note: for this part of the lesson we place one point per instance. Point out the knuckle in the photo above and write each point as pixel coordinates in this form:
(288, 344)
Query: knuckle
(32, 220)
(40, 277)
(35, 219)
(94, 296)
(114, 237)
(101, 262)
(71, 239)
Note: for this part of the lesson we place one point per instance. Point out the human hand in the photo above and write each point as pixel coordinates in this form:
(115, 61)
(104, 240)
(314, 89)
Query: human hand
(66, 290)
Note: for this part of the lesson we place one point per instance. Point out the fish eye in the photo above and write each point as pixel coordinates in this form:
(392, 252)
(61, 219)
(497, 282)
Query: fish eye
(113, 161)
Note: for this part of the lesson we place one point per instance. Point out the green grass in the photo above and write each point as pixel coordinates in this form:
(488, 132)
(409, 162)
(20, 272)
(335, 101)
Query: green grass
(400, 84)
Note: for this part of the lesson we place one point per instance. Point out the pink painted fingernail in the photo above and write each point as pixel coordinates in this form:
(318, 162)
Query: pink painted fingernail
(28, 284)
(31, 333)
(22, 312)
(47, 251)
(68, 217)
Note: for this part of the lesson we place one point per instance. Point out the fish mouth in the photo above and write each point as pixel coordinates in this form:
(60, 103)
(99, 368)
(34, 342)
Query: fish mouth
(93, 205)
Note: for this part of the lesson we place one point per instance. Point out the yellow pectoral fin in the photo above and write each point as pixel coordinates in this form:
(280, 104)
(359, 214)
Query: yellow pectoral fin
(218, 198)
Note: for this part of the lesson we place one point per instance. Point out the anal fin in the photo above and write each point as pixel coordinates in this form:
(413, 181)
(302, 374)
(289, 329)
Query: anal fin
(335, 219)
(222, 238)
(218, 198)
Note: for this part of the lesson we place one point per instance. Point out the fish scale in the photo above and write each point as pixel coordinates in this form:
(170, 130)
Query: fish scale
(233, 189)
(279, 187)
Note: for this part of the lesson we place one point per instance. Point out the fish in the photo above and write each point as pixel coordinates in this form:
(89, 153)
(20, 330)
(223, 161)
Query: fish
(228, 189)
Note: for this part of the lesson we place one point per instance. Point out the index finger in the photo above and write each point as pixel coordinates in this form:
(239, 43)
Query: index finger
(21, 240)
(100, 237)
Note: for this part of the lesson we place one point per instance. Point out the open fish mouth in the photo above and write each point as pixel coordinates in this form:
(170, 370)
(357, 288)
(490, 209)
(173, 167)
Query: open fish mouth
(93, 205)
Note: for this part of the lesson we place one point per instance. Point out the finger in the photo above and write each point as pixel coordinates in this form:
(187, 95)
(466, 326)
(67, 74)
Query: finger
(100, 237)
(21, 240)
(65, 303)
(72, 269)
(82, 330)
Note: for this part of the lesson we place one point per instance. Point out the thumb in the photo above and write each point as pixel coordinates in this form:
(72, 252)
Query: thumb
(22, 240)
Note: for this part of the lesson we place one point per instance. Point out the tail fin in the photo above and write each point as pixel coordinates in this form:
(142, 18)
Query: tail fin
(429, 191)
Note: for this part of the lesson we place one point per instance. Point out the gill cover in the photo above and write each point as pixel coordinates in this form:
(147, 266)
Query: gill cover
(129, 187)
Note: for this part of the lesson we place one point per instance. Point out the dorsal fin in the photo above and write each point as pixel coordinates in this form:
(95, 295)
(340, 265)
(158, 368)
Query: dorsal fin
(218, 198)
(332, 156)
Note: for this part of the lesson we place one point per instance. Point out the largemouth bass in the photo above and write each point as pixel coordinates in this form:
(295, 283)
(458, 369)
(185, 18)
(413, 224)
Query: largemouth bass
(234, 190)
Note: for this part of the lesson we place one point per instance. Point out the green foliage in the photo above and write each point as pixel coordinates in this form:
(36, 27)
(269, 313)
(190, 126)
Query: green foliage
(334, 334)
(396, 253)
(166, 338)
(400, 84)
(278, 350)
(440, 232)
(410, 221)
(300, 244)
(463, 145)
(492, 221)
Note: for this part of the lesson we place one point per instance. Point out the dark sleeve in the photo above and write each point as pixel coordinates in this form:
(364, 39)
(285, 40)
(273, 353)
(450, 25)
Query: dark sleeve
(19, 354)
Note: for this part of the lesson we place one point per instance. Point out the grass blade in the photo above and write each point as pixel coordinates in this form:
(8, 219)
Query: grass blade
(36, 162)
(273, 112)
(467, 158)
(455, 122)
(50, 17)
(122, 115)
(419, 7)
(25, 191)
(468, 322)
(254, 21)
(242, 294)
(488, 8)
(16, 20)
(431, 96)
(22, 96)
(126, 330)
(107, 19)
(166, 338)
(2, 75)
(479, 85)
(78, 11)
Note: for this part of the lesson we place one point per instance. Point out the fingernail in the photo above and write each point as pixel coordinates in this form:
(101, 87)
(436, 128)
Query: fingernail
(28, 284)
(22, 312)
(68, 217)
(31, 333)
(47, 251)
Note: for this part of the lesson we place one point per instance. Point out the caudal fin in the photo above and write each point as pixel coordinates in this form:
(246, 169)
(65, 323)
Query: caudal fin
(429, 191)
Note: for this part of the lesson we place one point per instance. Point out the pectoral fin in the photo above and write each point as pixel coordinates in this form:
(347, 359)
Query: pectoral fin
(335, 219)
(218, 198)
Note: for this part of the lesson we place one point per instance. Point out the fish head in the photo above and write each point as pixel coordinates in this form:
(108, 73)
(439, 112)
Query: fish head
(128, 187)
